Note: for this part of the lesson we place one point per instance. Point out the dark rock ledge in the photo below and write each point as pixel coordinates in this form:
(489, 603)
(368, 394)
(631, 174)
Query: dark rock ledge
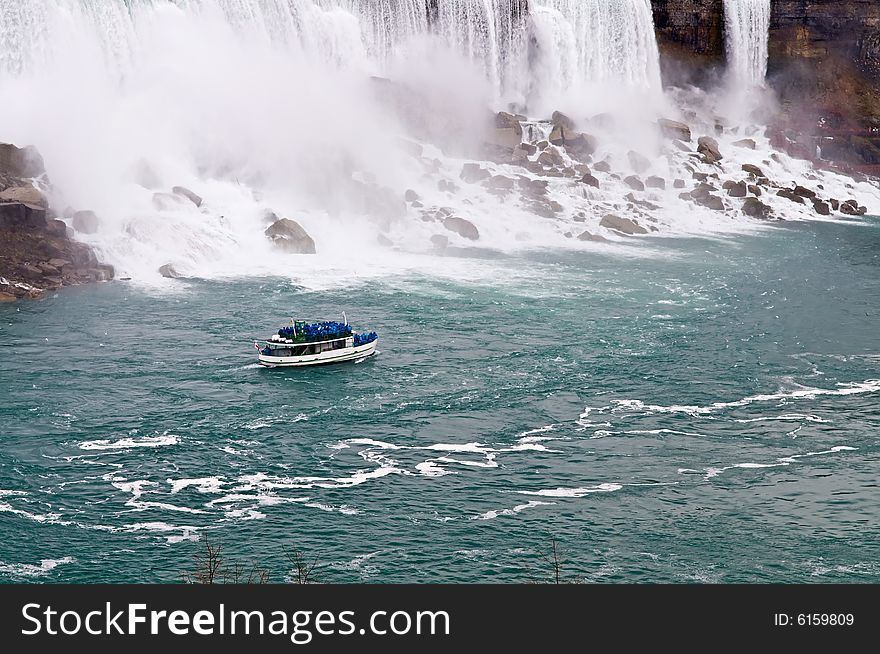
(36, 253)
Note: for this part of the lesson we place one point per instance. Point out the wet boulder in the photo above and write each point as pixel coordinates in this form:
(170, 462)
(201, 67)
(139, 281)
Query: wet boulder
(822, 208)
(25, 195)
(736, 189)
(674, 129)
(464, 228)
(589, 180)
(289, 236)
(753, 170)
(622, 225)
(634, 183)
(473, 173)
(754, 208)
(748, 144)
(708, 148)
(189, 195)
(789, 194)
(655, 182)
(86, 222)
(169, 271)
(21, 162)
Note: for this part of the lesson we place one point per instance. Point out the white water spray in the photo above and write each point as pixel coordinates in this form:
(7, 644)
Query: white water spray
(747, 23)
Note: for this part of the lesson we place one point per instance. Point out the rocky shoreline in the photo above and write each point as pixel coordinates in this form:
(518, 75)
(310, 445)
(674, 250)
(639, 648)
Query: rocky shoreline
(37, 254)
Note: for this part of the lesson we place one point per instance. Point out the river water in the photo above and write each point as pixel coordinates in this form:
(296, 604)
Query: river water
(678, 410)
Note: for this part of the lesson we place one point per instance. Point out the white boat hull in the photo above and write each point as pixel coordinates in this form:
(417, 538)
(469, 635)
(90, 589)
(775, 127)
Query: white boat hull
(330, 356)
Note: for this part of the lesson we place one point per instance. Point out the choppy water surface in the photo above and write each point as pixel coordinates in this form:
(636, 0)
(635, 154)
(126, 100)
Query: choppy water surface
(706, 413)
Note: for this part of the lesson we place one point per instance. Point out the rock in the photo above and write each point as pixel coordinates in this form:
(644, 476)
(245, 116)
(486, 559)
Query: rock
(440, 242)
(519, 155)
(755, 208)
(595, 238)
(634, 183)
(86, 222)
(25, 195)
(505, 120)
(48, 268)
(19, 214)
(411, 196)
(590, 180)
(754, 189)
(473, 173)
(168, 271)
(821, 207)
(528, 148)
(581, 145)
(638, 162)
(58, 263)
(561, 120)
(21, 162)
(56, 228)
(384, 241)
(189, 195)
(708, 147)
(835, 204)
(736, 189)
(674, 129)
(622, 225)
(464, 228)
(679, 183)
(507, 138)
(289, 236)
(541, 145)
(849, 209)
(749, 144)
(804, 192)
(700, 177)
(752, 170)
(602, 167)
(710, 201)
(788, 194)
(552, 156)
(7, 297)
(499, 183)
(655, 182)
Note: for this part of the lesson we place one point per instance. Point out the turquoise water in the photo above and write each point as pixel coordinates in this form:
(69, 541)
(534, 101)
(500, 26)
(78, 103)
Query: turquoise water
(694, 410)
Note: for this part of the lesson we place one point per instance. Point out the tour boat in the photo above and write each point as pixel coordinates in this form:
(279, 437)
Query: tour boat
(305, 343)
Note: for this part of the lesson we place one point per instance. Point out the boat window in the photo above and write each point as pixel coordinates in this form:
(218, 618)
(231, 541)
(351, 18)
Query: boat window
(281, 352)
(338, 345)
(300, 350)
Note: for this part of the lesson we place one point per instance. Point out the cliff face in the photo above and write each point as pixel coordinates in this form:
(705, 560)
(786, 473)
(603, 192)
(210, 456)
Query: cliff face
(824, 65)
(690, 34)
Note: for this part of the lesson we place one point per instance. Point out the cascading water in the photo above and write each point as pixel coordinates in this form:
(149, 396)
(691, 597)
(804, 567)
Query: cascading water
(747, 23)
(596, 41)
(268, 106)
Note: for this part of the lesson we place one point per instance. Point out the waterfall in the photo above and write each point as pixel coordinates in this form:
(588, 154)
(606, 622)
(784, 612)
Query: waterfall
(262, 105)
(747, 24)
(598, 41)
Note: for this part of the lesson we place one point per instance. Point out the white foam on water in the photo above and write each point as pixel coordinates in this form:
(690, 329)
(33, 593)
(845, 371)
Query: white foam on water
(574, 492)
(712, 472)
(491, 515)
(202, 484)
(29, 570)
(431, 469)
(130, 443)
(639, 407)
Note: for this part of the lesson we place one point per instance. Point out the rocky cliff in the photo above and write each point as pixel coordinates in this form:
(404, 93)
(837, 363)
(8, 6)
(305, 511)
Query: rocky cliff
(36, 253)
(824, 65)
